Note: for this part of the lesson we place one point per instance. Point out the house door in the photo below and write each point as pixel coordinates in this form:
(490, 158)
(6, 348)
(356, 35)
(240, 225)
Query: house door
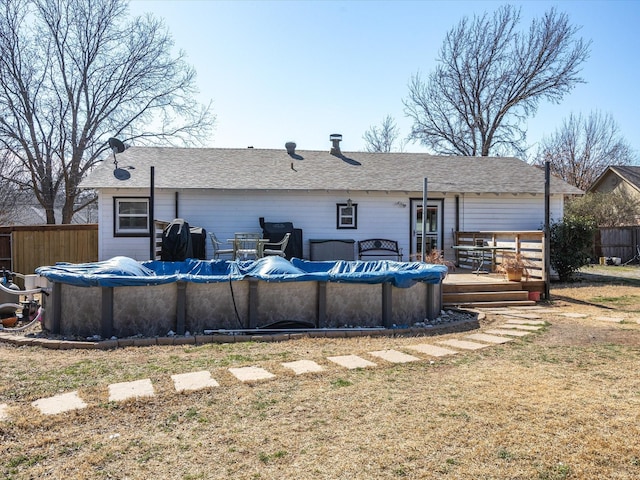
(433, 220)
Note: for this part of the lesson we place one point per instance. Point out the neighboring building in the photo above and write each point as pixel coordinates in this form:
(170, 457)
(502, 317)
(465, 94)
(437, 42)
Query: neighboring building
(27, 211)
(623, 179)
(327, 194)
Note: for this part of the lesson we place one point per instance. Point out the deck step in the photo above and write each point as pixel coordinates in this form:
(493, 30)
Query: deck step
(467, 297)
(480, 287)
(493, 304)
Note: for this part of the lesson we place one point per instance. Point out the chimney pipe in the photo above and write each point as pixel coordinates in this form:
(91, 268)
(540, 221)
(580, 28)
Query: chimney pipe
(291, 148)
(335, 138)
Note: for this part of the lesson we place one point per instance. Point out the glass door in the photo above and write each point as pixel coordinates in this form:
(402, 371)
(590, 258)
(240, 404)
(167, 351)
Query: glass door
(433, 227)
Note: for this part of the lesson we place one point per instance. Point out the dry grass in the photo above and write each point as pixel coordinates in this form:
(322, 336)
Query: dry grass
(560, 404)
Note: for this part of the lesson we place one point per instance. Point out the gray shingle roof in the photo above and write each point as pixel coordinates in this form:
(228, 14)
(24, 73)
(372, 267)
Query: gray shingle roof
(262, 169)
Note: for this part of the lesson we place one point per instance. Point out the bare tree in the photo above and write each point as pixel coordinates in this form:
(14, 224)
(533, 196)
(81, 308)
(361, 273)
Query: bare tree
(73, 74)
(10, 195)
(382, 139)
(582, 148)
(490, 78)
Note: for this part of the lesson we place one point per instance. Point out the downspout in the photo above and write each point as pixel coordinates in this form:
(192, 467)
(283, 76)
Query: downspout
(152, 222)
(457, 226)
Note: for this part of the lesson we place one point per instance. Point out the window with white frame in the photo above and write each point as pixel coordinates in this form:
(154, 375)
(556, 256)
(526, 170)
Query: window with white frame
(347, 215)
(131, 216)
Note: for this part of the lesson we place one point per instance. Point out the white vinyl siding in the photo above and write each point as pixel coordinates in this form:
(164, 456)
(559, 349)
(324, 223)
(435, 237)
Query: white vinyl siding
(380, 215)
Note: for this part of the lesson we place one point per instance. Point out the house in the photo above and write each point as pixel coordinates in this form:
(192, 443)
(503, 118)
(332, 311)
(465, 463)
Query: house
(328, 195)
(620, 179)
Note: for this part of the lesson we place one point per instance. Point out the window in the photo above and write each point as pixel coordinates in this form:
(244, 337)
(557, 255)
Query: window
(131, 217)
(347, 215)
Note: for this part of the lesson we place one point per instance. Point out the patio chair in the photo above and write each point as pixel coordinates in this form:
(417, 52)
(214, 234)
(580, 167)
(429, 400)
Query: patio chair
(275, 248)
(217, 251)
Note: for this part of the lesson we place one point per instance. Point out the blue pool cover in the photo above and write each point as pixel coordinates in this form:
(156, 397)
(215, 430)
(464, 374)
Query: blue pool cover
(125, 271)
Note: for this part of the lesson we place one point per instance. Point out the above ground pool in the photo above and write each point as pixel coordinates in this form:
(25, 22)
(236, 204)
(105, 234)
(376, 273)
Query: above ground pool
(122, 297)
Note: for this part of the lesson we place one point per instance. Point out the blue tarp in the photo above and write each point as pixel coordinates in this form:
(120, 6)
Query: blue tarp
(124, 271)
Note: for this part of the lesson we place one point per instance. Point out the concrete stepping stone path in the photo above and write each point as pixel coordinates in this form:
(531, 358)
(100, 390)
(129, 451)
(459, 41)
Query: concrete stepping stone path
(513, 321)
(394, 356)
(484, 337)
(432, 350)
(529, 316)
(463, 344)
(251, 374)
(303, 366)
(351, 361)
(517, 326)
(59, 403)
(119, 392)
(193, 381)
(574, 315)
(511, 332)
(610, 319)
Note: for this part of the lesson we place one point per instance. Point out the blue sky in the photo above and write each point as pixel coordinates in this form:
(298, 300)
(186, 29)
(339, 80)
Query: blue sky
(301, 70)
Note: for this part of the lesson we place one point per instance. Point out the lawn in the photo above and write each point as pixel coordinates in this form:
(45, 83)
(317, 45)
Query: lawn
(561, 403)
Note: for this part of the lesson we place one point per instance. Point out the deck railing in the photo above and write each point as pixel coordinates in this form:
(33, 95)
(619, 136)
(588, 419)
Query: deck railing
(528, 243)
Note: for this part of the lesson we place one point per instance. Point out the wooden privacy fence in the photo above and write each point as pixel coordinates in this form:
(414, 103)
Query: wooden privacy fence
(528, 243)
(618, 242)
(24, 248)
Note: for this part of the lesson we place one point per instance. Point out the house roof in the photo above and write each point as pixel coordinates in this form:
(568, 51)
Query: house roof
(628, 173)
(269, 169)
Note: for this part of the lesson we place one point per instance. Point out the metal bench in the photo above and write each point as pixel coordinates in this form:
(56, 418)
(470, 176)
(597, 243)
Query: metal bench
(379, 247)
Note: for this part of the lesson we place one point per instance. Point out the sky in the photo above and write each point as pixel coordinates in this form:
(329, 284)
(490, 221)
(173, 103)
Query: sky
(279, 71)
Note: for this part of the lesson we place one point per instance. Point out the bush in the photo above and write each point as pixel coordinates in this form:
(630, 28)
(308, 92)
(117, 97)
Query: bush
(571, 241)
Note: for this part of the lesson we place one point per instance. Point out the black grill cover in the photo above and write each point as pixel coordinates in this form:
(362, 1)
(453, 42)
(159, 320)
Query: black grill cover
(275, 231)
(199, 242)
(176, 242)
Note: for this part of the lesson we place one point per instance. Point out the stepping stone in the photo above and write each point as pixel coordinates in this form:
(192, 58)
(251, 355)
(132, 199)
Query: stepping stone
(531, 316)
(483, 337)
(119, 392)
(59, 403)
(526, 322)
(610, 319)
(502, 311)
(251, 374)
(512, 333)
(432, 350)
(4, 412)
(463, 344)
(193, 381)
(303, 366)
(529, 328)
(351, 361)
(394, 356)
(574, 315)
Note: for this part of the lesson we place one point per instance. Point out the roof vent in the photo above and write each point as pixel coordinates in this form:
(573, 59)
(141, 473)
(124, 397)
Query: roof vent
(291, 147)
(335, 138)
